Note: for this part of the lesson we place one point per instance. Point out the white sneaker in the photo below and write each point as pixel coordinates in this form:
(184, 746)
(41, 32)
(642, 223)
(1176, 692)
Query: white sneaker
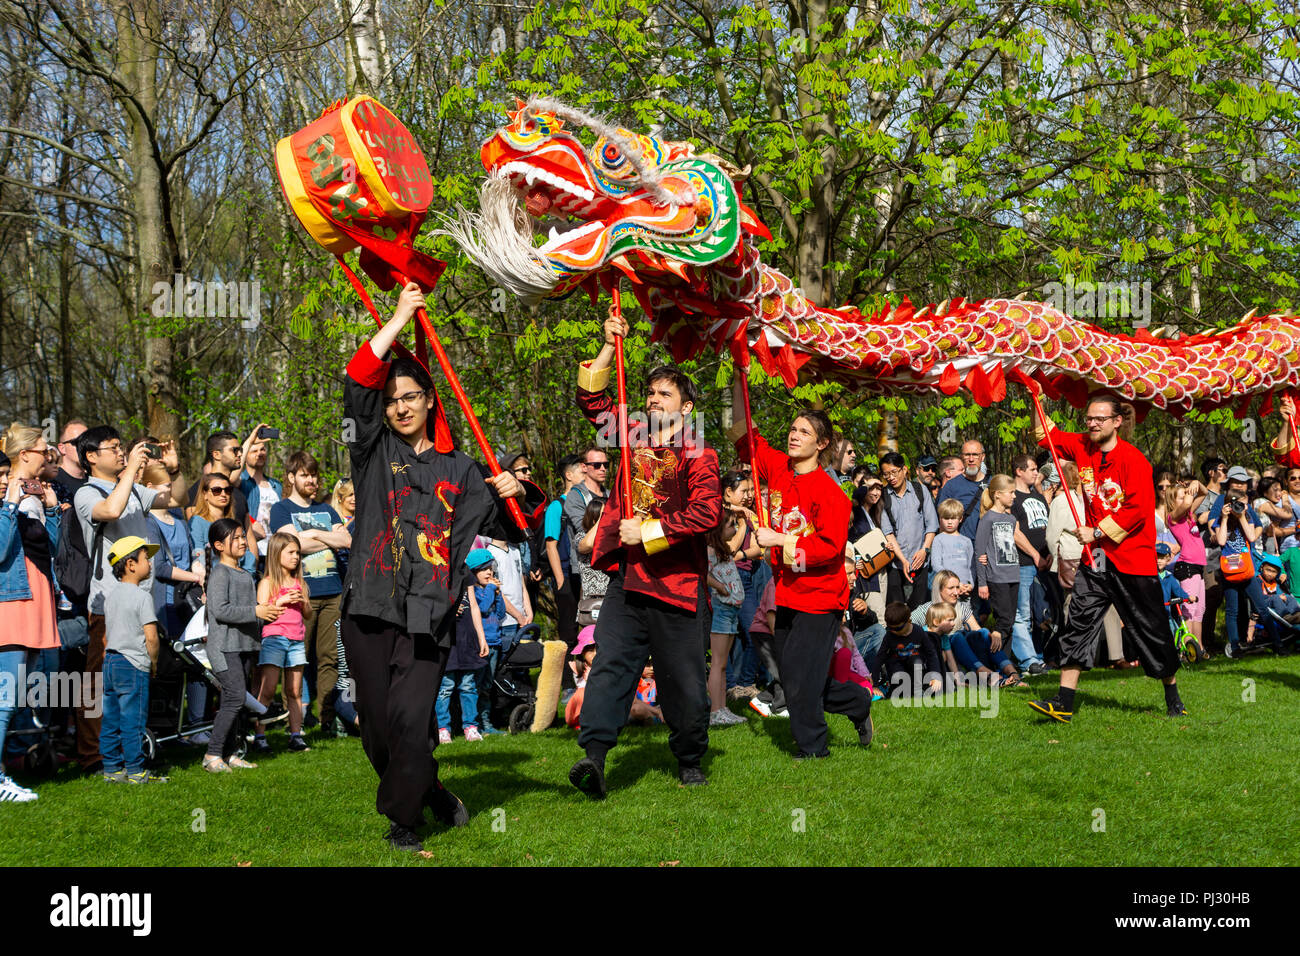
(10, 792)
(761, 706)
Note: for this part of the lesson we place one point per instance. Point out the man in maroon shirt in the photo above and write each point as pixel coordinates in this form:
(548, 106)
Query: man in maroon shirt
(1119, 527)
(657, 561)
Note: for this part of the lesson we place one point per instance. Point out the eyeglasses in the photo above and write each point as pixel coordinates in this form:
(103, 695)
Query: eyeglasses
(111, 446)
(891, 473)
(410, 398)
(1097, 419)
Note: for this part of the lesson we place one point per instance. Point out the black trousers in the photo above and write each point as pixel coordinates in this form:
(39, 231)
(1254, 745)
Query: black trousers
(805, 644)
(913, 593)
(396, 678)
(631, 628)
(1141, 606)
(1002, 600)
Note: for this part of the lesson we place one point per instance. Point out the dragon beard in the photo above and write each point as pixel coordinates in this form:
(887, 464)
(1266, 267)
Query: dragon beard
(499, 238)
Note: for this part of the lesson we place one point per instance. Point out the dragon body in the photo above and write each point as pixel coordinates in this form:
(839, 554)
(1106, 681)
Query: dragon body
(673, 223)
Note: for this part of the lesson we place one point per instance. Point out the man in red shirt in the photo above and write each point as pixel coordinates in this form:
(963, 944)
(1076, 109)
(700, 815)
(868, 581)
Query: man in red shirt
(656, 602)
(1119, 527)
(807, 533)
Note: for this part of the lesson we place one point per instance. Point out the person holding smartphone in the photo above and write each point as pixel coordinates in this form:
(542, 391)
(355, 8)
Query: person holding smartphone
(260, 490)
(29, 534)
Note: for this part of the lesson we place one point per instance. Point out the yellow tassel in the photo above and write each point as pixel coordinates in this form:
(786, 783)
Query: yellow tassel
(548, 684)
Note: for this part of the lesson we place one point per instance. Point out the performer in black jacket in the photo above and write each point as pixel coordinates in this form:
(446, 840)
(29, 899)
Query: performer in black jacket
(420, 504)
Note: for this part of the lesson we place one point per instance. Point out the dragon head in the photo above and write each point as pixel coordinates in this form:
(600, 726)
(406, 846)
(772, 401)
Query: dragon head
(555, 214)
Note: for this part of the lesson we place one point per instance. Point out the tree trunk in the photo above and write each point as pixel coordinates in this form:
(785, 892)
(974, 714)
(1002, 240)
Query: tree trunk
(156, 251)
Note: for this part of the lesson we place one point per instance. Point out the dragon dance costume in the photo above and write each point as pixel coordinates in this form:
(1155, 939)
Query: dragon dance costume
(656, 604)
(416, 519)
(1119, 498)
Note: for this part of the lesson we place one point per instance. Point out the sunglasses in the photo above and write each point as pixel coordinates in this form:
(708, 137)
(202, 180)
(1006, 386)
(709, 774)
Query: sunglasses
(597, 464)
(224, 490)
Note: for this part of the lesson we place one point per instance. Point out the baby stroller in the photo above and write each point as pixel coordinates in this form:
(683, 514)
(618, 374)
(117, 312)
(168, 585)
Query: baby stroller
(180, 663)
(513, 697)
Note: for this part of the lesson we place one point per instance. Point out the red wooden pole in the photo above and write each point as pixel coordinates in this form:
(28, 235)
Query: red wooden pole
(743, 372)
(1056, 459)
(620, 376)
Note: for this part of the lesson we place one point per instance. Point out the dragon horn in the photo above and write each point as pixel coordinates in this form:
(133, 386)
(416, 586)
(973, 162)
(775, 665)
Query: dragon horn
(943, 307)
(1248, 316)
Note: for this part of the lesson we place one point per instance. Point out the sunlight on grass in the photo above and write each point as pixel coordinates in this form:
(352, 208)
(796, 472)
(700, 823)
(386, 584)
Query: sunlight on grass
(940, 786)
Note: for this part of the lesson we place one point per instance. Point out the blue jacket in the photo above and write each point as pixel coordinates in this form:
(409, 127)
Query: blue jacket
(254, 494)
(13, 569)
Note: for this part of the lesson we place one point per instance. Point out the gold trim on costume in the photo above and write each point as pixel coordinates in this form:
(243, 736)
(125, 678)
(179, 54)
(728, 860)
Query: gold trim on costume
(1111, 529)
(590, 381)
(653, 538)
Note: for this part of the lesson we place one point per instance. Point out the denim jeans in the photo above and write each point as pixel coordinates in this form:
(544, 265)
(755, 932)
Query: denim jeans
(483, 683)
(868, 641)
(742, 664)
(466, 682)
(973, 650)
(23, 718)
(1022, 644)
(509, 634)
(126, 705)
(11, 690)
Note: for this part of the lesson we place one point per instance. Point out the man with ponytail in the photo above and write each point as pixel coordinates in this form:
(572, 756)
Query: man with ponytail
(420, 504)
(1119, 527)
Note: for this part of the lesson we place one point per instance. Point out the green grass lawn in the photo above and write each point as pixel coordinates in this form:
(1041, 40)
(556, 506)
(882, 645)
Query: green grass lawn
(940, 786)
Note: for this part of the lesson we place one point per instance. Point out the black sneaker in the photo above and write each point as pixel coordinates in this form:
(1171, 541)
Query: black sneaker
(801, 755)
(866, 730)
(275, 713)
(692, 777)
(297, 744)
(404, 839)
(310, 720)
(260, 745)
(1052, 708)
(1036, 669)
(1176, 709)
(446, 807)
(589, 777)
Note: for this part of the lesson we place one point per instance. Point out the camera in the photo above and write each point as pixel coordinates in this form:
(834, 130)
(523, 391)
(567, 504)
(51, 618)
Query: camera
(153, 451)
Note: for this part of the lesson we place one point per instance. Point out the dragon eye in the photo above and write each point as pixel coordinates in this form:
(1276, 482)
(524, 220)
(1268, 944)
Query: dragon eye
(611, 156)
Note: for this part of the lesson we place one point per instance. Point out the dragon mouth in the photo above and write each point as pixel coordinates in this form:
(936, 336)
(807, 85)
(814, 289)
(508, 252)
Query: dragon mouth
(562, 213)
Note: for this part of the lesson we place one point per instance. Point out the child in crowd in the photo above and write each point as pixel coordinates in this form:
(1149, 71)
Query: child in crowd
(997, 565)
(130, 656)
(908, 648)
(728, 595)
(584, 652)
(488, 600)
(1274, 598)
(283, 640)
(952, 550)
(468, 656)
(966, 647)
(234, 631)
(644, 710)
(847, 664)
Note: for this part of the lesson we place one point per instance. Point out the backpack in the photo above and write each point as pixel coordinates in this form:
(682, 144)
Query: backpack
(889, 508)
(72, 559)
(75, 563)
